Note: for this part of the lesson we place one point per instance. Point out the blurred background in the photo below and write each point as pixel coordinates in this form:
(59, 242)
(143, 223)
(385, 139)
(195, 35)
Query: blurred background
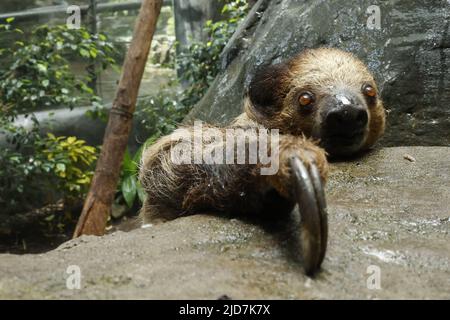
(57, 84)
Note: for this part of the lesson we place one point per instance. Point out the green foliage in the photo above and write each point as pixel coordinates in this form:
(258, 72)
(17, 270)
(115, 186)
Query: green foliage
(44, 170)
(199, 64)
(130, 187)
(71, 160)
(37, 170)
(38, 73)
(160, 114)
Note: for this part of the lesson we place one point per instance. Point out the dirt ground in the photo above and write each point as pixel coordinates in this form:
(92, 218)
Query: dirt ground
(389, 220)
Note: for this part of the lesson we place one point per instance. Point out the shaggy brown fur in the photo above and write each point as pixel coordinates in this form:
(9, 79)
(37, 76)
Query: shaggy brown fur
(272, 102)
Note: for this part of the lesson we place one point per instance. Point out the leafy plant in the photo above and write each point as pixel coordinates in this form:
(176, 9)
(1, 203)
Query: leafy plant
(71, 160)
(160, 114)
(43, 171)
(37, 170)
(199, 64)
(38, 73)
(130, 187)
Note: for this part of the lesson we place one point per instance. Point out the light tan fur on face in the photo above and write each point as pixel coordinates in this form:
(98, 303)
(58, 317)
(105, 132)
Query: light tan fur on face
(319, 71)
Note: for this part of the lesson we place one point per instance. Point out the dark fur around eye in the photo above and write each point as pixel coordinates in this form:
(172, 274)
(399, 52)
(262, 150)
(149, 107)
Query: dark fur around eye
(267, 89)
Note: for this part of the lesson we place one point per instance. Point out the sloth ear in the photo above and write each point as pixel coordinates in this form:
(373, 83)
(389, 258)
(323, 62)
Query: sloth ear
(267, 89)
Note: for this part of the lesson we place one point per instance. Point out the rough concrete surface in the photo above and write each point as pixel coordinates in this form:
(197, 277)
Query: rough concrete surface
(385, 210)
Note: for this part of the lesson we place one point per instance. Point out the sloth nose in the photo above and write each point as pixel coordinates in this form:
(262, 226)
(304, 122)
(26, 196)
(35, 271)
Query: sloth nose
(346, 118)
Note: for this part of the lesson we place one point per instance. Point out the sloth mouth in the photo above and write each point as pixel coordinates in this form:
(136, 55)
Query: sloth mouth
(343, 143)
(346, 139)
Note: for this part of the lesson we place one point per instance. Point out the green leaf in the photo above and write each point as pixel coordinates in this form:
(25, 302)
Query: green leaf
(138, 155)
(93, 53)
(85, 34)
(129, 166)
(129, 190)
(42, 67)
(140, 192)
(9, 20)
(61, 167)
(84, 53)
(71, 140)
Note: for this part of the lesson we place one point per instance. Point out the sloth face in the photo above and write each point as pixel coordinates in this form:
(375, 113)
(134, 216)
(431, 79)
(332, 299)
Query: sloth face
(340, 115)
(326, 94)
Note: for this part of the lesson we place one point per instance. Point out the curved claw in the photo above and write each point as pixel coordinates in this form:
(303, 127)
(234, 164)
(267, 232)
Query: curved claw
(322, 206)
(310, 197)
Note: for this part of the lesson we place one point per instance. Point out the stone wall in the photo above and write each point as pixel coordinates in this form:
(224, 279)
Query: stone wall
(409, 54)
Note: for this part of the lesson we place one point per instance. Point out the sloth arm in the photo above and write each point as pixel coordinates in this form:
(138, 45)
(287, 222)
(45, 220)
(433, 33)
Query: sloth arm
(174, 190)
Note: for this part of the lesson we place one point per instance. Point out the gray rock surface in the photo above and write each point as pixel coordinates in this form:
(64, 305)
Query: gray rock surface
(384, 211)
(409, 55)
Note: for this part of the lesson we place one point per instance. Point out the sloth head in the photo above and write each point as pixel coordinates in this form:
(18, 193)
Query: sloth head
(326, 94)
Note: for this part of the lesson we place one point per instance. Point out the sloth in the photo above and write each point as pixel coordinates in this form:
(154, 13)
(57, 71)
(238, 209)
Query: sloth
(324, 102)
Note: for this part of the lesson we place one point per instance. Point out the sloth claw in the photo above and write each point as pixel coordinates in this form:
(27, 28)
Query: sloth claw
(310, 197)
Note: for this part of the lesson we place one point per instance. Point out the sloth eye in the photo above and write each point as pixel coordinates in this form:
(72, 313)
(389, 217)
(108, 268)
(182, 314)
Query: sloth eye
(305, 99)
(369, 91)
